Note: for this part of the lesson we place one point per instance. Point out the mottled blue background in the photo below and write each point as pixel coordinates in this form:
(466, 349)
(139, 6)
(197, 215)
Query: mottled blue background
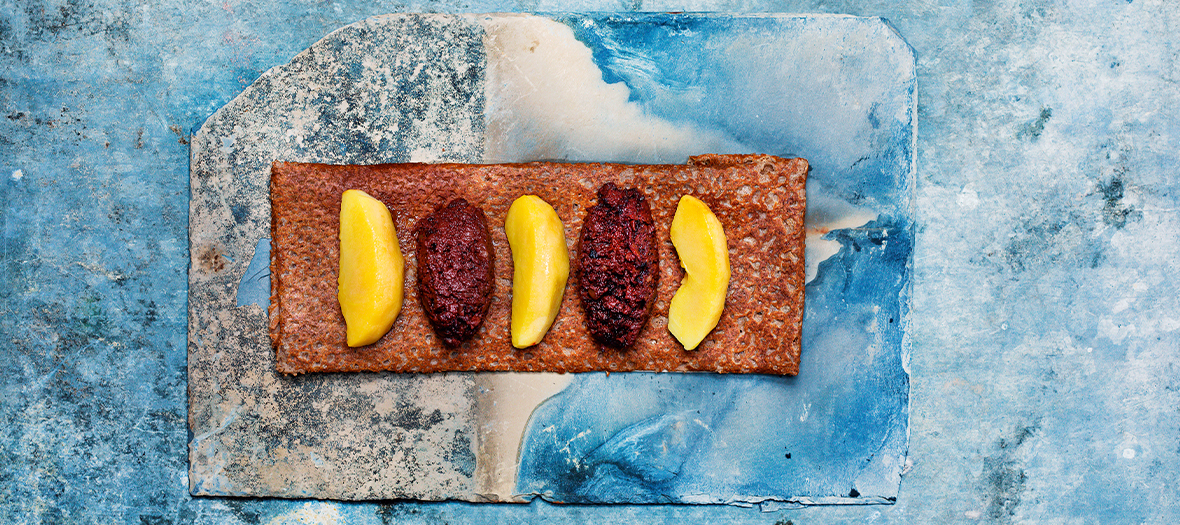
(1046, 306)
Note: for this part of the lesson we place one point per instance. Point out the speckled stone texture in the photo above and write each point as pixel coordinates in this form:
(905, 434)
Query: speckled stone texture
(347, 436)
(1044, 387)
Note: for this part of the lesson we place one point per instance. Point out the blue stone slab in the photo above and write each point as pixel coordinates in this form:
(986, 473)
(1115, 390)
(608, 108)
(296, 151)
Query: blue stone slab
(642, 88)
(838, 91)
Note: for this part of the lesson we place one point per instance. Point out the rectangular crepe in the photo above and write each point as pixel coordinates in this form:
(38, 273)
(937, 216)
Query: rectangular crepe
(759, 199)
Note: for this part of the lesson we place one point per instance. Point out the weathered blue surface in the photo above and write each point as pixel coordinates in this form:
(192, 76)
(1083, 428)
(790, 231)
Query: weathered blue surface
(1046, 306)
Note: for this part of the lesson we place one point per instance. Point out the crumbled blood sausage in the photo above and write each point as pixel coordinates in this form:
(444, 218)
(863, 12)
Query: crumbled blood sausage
(618, 266)
(455, 270)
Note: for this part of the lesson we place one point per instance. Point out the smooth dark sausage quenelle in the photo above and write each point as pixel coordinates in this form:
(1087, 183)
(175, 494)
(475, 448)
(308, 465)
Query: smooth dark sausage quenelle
(455, 270)
(618, 266)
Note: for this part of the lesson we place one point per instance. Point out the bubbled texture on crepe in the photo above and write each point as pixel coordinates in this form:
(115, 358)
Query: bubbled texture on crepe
(759, 199)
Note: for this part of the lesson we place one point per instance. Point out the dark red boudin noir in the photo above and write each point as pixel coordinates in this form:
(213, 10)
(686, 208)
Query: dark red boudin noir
(618, 266)
(455, 270)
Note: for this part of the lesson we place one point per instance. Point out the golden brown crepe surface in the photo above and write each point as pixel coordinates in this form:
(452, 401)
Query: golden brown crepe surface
(759, 199)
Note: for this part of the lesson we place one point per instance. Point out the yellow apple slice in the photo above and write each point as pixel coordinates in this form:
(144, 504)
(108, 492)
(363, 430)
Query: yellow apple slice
(541, 266)
(372, 269)
(700, 243)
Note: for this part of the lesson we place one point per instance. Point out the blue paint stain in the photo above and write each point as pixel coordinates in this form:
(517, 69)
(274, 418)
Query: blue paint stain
(668, 438)
(254, 287)
(730, 73)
